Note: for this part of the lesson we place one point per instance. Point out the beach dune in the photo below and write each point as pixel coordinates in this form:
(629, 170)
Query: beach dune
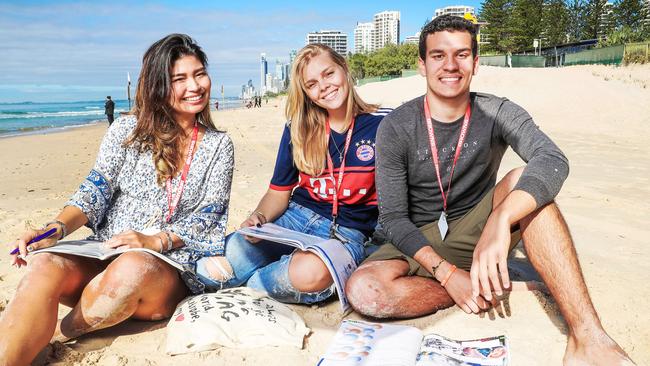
(599, 116)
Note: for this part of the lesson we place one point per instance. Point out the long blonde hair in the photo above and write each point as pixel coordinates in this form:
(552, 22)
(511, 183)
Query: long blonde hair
(307, 120)
(156, 129)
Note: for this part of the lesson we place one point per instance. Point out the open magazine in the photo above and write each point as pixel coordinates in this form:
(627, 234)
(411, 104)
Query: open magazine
(331, 251)
(373, 344)
(97, 249)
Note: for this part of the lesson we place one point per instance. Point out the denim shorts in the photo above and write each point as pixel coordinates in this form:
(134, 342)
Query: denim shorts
(264, 266)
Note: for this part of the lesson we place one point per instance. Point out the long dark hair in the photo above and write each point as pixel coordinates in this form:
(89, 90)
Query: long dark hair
(156, 129)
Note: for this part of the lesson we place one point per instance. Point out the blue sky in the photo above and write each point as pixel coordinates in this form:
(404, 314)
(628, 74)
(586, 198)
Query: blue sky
(70, 50)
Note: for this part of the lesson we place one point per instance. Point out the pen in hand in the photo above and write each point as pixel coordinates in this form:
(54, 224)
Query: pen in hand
(45, 235)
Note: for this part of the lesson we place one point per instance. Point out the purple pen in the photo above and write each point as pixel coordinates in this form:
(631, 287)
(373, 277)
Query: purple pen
(45, 235)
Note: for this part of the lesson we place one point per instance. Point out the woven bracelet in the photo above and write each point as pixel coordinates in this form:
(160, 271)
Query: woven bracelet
(444, 281)
(64, 231)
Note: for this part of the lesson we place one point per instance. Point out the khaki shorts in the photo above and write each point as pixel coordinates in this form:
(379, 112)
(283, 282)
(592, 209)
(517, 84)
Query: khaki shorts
(458, 246)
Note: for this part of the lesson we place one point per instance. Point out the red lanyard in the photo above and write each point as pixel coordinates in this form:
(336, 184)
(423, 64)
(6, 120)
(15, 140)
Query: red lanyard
(330, 165)
(434, 148)
(171, 200)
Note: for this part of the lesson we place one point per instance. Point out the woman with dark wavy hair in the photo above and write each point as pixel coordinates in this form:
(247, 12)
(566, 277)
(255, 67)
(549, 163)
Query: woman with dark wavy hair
(162, 182)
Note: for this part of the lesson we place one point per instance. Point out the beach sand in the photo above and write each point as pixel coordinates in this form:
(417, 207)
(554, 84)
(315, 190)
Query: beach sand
(599, 116)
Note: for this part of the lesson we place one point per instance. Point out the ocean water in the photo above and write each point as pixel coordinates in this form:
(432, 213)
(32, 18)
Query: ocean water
(30, 117)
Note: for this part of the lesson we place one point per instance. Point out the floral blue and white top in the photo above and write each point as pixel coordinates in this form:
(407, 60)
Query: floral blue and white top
(121, 193)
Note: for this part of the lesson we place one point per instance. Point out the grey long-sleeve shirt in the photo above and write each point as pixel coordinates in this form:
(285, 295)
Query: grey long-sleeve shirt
(407, 187)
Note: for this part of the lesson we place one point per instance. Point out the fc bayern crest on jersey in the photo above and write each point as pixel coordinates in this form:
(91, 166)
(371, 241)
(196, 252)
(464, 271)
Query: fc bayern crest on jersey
(365, 150)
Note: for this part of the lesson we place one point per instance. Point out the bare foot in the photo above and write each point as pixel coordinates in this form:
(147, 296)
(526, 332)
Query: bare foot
(600, 350)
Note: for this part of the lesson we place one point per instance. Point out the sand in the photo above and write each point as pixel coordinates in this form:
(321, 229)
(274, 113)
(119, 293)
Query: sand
(599, 116)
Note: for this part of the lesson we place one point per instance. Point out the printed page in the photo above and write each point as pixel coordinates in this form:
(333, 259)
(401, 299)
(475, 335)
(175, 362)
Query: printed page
(437, 350)
(336, 257)
(279, 234)
(97, 249)
(372, 344)
(339, 262)
(83, 248)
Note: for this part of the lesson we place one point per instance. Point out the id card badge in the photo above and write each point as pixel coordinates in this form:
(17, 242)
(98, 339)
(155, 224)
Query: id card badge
(442, 225)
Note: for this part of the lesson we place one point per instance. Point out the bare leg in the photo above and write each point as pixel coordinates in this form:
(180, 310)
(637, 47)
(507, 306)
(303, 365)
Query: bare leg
(28, 322)
(136, 285)
(382, 289)
(551, 251)
(308, 273)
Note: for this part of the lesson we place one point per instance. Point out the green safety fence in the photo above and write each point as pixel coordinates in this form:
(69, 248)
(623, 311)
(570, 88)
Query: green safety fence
(515, 61)
(409, 72)
(497, 60)
(606, 55)
(528, 61)
(376, 79)
(636, 53)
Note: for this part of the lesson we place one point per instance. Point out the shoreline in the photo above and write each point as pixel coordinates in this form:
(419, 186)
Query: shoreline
(50, 130)
(49, 125)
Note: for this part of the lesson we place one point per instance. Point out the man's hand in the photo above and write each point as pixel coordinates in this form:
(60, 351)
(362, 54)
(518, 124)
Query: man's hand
(459, 287)
(490, 258)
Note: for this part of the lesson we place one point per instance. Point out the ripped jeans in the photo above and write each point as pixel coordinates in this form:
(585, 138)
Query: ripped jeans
(264, 266)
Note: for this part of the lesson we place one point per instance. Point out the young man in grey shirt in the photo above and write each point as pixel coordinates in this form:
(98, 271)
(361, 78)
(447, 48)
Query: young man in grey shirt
(449, 224)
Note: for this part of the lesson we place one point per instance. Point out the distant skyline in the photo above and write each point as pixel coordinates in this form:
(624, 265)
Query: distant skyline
(70, 50)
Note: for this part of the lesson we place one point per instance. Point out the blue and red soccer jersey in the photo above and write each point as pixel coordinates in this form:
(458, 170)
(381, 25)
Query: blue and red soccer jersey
(357, 194)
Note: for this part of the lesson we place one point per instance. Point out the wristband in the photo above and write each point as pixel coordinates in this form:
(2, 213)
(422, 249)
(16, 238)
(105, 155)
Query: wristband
(64, 232)
(170, 242)
(448, 276)
(262, 216)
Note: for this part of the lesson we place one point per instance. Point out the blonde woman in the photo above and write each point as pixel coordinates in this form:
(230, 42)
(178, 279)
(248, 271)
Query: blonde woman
(329, 139)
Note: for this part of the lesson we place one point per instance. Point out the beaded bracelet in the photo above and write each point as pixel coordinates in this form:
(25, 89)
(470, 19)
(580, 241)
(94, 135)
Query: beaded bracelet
(64, 231)
(448, 276)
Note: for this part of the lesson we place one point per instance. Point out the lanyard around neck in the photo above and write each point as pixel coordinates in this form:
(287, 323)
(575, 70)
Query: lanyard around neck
(330, 165)
(172, 200)
(434, 148)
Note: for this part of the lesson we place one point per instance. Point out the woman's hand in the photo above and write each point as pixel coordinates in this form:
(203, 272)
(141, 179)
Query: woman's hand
(255, 219)
(134, 239)
(23, 248)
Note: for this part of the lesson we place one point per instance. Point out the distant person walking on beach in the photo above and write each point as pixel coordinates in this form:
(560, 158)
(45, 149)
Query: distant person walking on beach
(323, 184)
(139, 177)
(109, 109)
(449, 222)
(216, 104)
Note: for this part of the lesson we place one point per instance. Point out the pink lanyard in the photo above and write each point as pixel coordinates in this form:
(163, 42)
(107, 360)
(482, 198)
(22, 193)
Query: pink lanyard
(171, 200)
(330, 166)
(434, 148)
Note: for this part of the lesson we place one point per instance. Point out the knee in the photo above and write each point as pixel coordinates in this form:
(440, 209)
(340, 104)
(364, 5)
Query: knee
(217, 268)
(130, 270)
(308, 273)
(369, 293)
(47, 263)
(47, 267)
